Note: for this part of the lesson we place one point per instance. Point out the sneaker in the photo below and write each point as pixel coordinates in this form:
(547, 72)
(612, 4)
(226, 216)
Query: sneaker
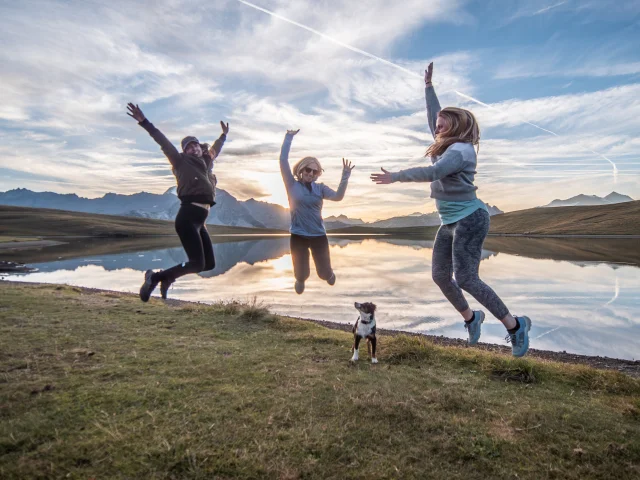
(148, 286)
(299, 287)
(332, 279)
(164, 287)
(520, 338)
(474, 327)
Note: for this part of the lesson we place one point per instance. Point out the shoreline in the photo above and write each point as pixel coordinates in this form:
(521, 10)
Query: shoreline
(629, 367)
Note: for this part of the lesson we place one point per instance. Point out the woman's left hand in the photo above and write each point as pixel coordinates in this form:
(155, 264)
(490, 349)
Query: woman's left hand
(346, 165)
(225, 128)
(382, 178)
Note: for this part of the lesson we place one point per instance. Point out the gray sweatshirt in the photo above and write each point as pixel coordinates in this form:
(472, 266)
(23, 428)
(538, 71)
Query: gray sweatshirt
(453, 172)
(305, 201)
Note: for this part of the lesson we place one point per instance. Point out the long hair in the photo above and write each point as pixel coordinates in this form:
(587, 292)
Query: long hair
(305, 162)
(463, 128)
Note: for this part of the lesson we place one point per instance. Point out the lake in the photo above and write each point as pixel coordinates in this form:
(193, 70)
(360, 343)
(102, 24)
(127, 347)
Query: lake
(582, 295)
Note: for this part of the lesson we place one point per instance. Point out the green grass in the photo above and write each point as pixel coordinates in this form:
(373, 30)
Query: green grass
(99, 385)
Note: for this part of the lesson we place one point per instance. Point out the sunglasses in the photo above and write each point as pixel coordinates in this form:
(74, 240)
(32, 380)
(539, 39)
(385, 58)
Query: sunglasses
(311, 170)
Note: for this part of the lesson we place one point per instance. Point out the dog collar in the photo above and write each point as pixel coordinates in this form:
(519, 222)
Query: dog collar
(366, 322)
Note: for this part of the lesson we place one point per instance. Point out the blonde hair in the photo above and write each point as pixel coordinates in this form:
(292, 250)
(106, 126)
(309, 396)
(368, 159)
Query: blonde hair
(463, 127)
(305, 162)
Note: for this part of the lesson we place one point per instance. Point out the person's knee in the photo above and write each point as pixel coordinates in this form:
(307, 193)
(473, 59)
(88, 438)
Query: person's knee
(441, 278)
(467, 281)
(325, 273)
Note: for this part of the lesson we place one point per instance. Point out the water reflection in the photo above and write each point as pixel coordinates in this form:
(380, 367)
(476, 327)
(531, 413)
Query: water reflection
(583, 306)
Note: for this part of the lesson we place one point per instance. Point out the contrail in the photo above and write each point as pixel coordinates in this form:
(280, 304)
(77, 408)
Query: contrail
(547, 333)
(408, 72)
(615, 294)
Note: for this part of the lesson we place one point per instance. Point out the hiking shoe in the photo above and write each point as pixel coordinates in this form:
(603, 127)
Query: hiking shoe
(299, 287)
(332, 279)
(520, 338)
(148, 286)
(474, 327)
(164, 287)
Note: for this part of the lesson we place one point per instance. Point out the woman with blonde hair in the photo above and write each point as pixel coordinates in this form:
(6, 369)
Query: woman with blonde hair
(305, 206)
(465, 219)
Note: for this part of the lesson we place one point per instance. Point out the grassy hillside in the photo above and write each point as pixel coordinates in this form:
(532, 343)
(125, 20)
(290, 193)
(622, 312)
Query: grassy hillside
(618, 219)
(41, 222)
(99, 385)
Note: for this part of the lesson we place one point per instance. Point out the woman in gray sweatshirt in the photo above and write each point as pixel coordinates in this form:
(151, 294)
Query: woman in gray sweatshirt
(465, 219)
(305, 206)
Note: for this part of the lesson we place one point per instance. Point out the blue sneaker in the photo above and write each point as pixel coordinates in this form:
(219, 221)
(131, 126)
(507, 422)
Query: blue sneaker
(520, 339)
(474, 327)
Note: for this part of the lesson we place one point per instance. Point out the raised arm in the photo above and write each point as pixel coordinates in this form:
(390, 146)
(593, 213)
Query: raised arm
(214, 151)
(285, 169)
(167, 147)
(433, 105)
(329, 194)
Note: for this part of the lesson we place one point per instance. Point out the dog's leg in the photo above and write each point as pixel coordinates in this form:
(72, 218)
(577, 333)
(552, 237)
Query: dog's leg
(369, 346)
(373, 349)
(356, 345)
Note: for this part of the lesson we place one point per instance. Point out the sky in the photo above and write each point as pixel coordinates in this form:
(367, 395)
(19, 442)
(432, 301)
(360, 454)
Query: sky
(68, 69)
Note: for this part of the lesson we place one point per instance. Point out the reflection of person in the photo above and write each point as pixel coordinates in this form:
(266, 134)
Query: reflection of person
(465, 219)
(196, 190)
(305, 206)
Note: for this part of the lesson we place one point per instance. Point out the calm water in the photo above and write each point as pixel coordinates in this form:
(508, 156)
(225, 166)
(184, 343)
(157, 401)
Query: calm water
(588, 307)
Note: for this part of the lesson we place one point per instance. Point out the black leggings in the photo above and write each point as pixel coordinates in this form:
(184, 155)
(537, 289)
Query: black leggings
(196, 242)
(319, 247)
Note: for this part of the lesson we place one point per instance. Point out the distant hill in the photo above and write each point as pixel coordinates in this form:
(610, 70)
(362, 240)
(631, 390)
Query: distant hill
(616, 219)
(590, 200)
(44, 222)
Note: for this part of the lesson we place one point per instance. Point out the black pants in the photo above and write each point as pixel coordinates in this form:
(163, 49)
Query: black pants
(319, 247)
(195, 239)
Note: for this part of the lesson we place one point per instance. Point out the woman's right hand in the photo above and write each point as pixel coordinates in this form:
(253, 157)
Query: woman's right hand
(382, 178)
(428, 74)
(292, 132)
(135, 112)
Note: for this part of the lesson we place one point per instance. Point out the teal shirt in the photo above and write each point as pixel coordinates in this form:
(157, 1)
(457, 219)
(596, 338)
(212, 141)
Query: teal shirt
(451, 212)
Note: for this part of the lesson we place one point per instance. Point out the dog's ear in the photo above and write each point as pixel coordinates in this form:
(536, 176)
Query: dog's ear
(373, 307)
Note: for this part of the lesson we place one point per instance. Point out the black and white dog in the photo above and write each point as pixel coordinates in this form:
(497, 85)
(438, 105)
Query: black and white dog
(365, 327)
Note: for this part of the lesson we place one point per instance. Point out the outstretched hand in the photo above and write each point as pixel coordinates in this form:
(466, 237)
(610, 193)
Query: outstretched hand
(135, 112)
(225, 128)
(381, 178)
(292, 132)
(346, 165)
(428, 73)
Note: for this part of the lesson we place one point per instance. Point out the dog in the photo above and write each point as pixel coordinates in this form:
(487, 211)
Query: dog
(365, 327)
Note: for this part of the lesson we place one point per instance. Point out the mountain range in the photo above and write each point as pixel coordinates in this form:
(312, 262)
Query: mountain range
(233, 212)
(590, 200)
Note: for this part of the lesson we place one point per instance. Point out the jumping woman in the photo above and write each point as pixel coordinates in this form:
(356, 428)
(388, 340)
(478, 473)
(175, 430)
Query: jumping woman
(464, 218)
(196, 190)
(305, 206)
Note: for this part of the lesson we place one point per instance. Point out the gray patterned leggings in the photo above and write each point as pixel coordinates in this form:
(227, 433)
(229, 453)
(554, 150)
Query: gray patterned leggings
(456, 252)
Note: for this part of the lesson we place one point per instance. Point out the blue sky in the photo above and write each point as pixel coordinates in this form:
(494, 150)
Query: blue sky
(572, 67)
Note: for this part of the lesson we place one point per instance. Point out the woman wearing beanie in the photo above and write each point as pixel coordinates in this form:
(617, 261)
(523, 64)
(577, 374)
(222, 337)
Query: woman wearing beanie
(465, 219)
(196, 190)
(306, 198)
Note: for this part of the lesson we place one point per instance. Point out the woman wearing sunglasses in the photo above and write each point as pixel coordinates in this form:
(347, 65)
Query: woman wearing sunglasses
(305, 206)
